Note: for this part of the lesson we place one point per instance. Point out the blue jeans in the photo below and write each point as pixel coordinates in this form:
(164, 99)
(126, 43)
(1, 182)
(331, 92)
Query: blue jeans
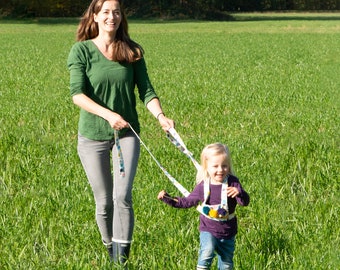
(223, 247)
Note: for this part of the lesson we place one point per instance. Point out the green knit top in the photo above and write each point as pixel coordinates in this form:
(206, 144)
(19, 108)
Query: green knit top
(110, 84)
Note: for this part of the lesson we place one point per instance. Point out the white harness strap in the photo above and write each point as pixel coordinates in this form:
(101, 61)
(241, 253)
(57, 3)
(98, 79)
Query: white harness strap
(219, 212)
(173, 136)
(216, 212)
(185, 192)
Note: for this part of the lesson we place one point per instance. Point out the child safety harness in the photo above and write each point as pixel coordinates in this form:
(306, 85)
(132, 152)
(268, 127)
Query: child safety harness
(214, 212)
(218, 212)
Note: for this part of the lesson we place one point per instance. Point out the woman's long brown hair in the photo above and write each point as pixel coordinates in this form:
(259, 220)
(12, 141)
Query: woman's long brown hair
(124, 48)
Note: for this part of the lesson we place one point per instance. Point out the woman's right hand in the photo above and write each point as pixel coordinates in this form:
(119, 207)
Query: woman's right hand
(116, 121)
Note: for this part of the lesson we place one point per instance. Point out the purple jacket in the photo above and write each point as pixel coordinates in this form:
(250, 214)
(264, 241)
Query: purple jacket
(219, 229)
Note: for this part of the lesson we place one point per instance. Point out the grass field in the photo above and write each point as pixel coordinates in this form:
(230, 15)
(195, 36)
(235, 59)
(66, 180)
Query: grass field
(268, 88)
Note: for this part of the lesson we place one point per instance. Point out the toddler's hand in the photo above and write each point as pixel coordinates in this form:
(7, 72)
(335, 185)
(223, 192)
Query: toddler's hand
(232, 192)
(161, 195)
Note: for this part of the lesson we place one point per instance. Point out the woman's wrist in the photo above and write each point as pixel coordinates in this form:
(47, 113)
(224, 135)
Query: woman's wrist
(158, 115)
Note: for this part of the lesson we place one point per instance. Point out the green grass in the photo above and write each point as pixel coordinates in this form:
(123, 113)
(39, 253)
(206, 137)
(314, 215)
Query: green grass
(269, 89)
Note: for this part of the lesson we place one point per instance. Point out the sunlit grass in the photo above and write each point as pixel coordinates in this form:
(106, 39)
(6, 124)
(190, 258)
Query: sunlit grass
(268, 89)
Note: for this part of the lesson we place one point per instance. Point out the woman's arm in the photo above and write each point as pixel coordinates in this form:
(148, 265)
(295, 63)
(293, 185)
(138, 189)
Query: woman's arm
(115, 120)
(154, 106)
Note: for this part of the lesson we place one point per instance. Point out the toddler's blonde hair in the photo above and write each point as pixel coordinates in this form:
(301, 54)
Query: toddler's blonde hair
(208, 151)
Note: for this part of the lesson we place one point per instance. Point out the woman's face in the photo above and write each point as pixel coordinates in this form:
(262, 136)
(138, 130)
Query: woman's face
(109, 17)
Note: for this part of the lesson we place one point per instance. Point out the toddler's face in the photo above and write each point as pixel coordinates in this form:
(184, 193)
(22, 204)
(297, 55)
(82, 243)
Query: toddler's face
(217, 168)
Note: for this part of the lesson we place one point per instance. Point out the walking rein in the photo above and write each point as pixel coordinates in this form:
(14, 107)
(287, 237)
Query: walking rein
(219, 213)
(184, 191)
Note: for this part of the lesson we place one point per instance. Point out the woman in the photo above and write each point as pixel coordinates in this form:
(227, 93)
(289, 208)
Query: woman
(105, 66)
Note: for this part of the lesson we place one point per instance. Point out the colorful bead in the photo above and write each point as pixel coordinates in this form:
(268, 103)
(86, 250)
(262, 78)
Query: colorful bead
(221, 212)
(213, 213)
(206, 210)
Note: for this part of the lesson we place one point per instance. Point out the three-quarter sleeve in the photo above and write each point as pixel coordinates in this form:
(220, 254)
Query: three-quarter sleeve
(142, 81)
(76, 64)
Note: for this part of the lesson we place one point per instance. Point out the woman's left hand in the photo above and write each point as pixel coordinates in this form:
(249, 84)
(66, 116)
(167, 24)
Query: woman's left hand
(166, 123)
(154, 106)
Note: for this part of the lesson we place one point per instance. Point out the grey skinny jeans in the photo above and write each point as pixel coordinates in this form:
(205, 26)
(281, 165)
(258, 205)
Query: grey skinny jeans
(113, 195)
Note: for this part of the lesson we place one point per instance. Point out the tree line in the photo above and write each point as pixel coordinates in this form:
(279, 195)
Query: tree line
(197, 9)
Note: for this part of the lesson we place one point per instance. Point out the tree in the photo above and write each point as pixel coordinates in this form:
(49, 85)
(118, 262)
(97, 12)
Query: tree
(197, 9)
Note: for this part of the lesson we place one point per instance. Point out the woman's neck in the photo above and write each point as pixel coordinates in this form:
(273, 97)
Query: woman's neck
(104, 44)
(104, 40)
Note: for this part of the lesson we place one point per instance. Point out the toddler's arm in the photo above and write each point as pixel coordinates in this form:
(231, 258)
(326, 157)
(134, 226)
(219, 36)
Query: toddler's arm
(164, 196)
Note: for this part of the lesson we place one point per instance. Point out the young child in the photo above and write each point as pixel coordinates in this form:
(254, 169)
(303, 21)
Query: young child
(219, 191)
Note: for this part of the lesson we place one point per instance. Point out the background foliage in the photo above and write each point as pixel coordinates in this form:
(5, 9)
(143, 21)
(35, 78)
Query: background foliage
(208, 9)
